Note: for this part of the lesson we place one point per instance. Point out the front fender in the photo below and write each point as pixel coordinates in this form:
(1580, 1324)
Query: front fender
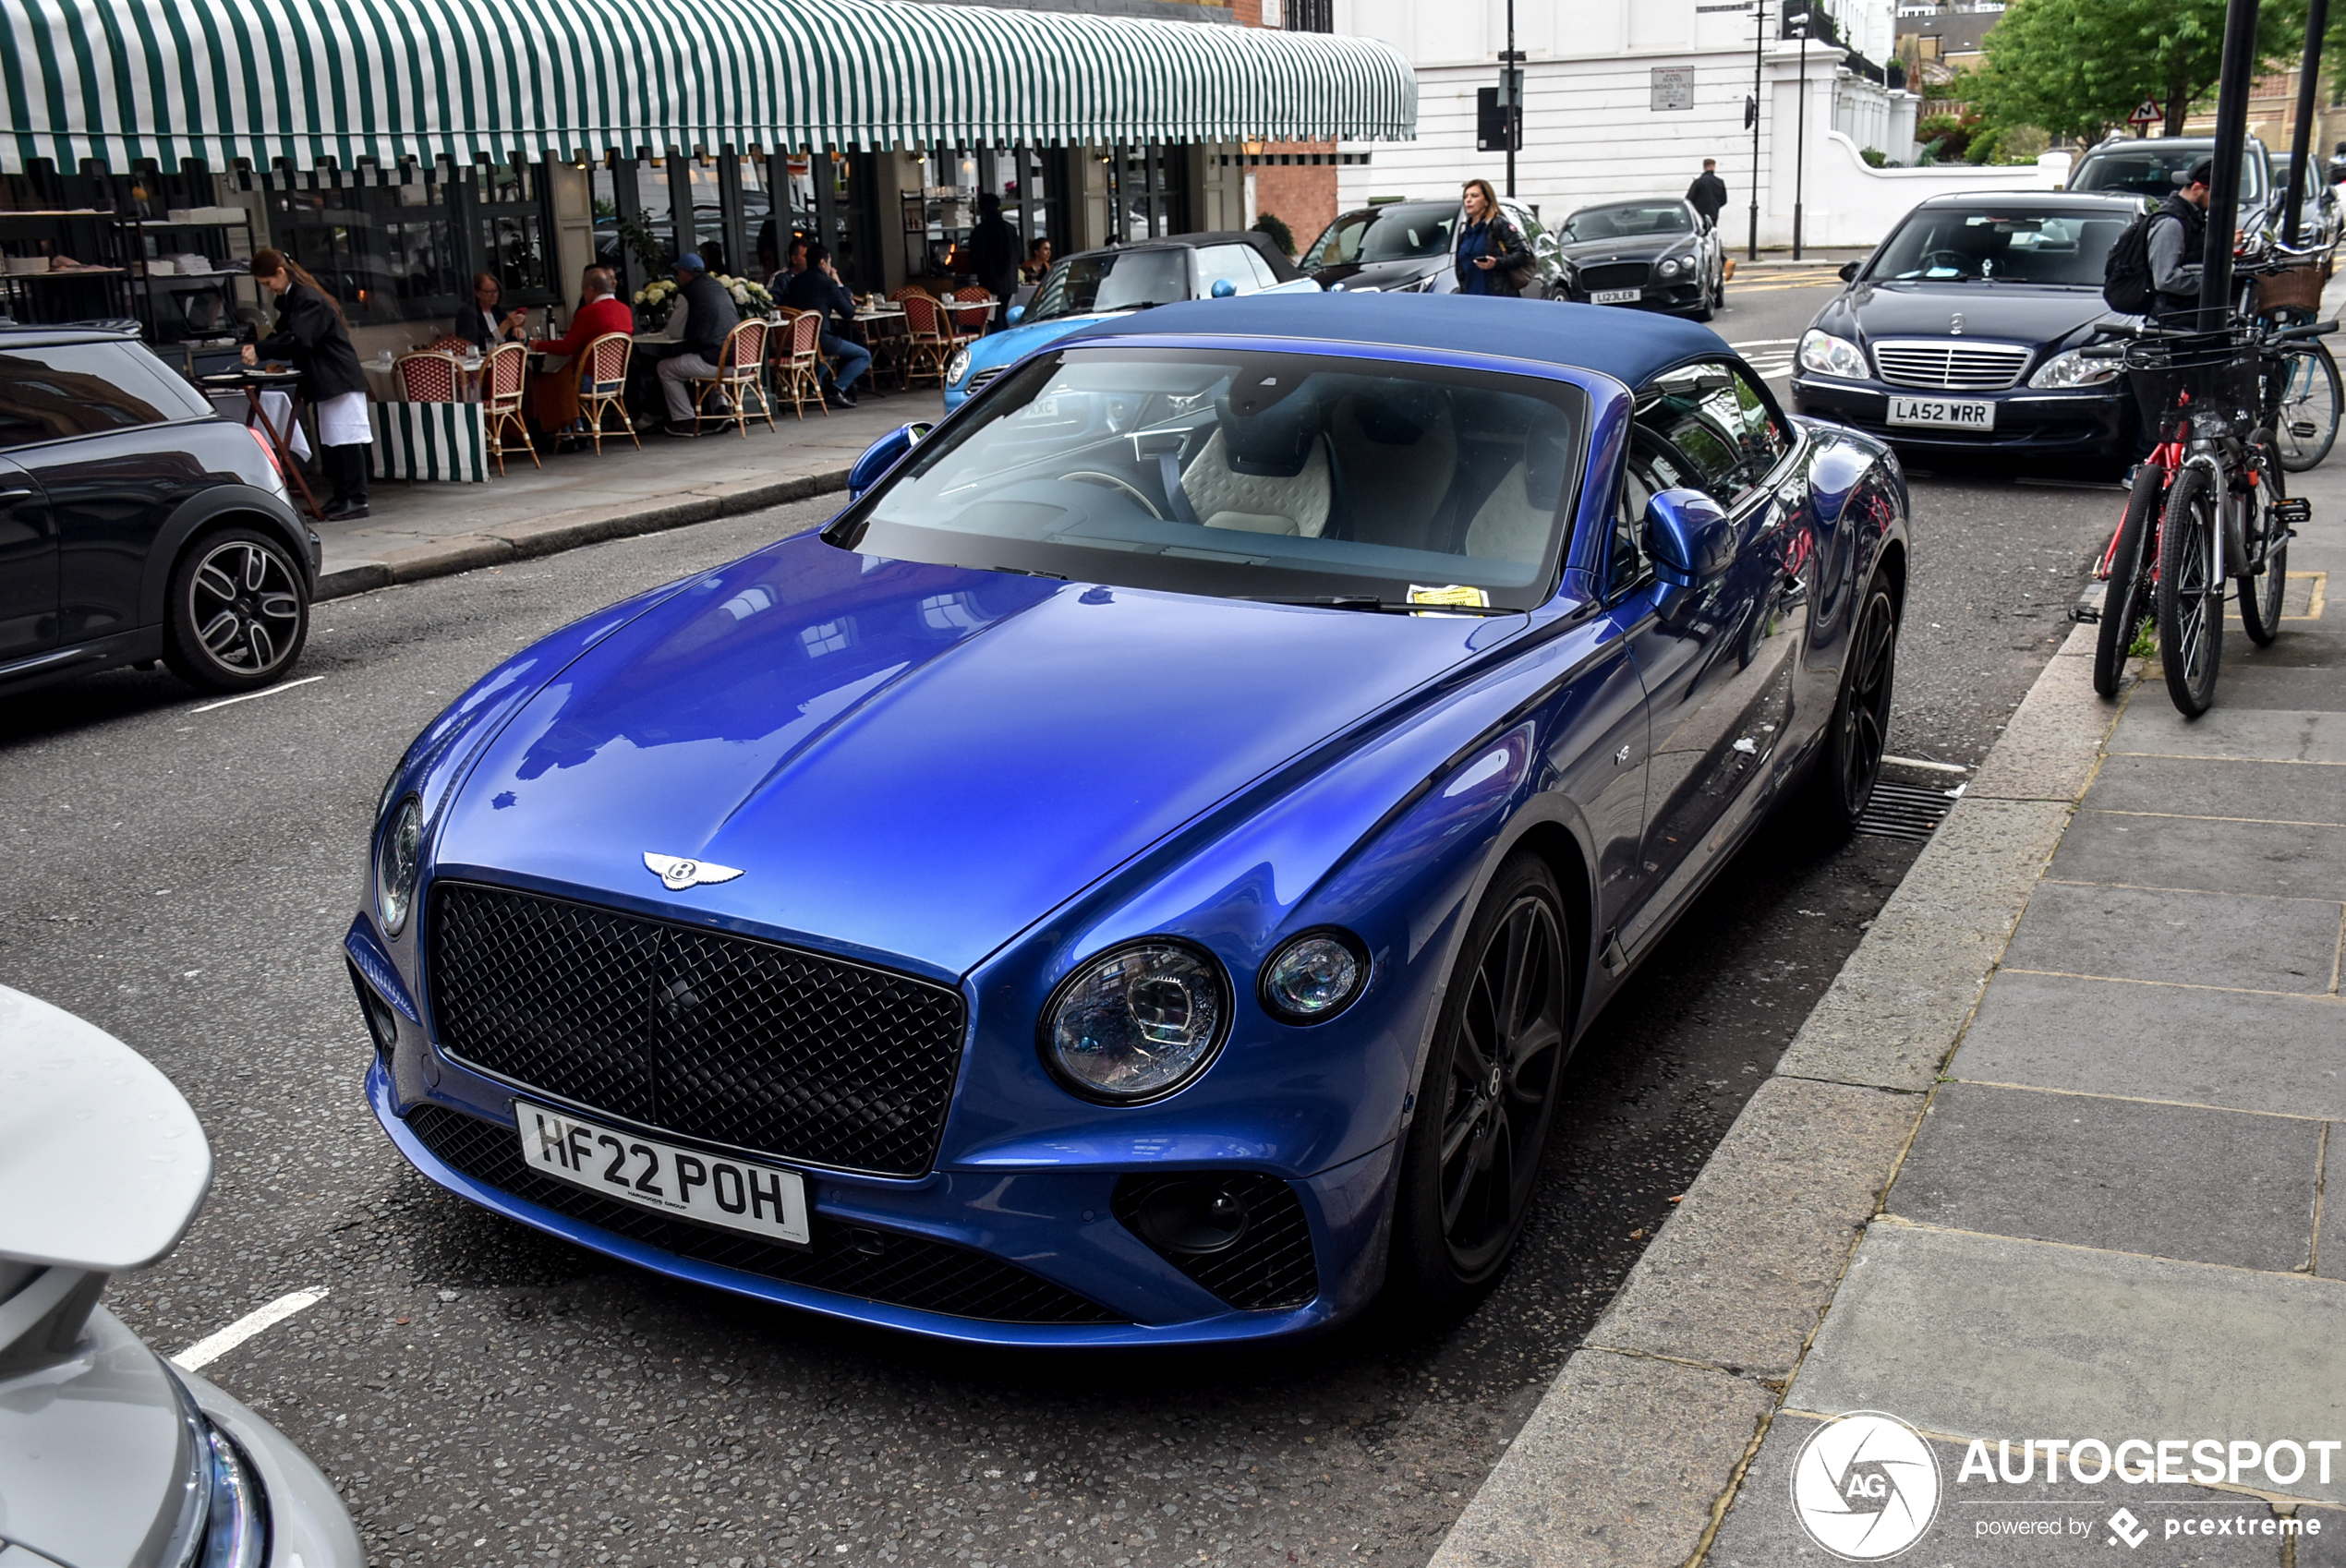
(201, 511)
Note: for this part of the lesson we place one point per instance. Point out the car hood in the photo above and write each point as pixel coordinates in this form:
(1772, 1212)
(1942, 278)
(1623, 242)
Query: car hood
(1014, 343)
(1379, 274)
(2016, 312)
(910, 763)
(1632, 248)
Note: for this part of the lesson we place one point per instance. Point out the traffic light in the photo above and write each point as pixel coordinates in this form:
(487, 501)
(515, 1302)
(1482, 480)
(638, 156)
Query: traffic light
(1493, 121)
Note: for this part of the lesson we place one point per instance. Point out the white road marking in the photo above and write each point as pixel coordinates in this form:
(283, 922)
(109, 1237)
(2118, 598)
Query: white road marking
(264, 692)
(214, 1346)
(1934, 767)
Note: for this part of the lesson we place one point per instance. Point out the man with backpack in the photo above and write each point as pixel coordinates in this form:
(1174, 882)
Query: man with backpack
(2153, 271)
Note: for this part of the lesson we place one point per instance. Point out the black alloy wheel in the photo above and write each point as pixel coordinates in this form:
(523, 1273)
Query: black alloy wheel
(1858, 735)
(2127, 599)
(2191, 597)
(1471, 1157)
(239, 611)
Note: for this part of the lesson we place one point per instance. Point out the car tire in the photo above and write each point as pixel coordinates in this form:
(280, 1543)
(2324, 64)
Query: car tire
(236, 612)
(1470, 1157)
(1848, 764)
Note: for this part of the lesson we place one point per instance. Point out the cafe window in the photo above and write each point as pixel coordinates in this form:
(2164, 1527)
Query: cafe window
(406, 252)
(1149, 191)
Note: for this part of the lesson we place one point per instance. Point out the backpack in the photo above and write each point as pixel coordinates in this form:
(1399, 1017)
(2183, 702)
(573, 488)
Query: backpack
(2125, 271)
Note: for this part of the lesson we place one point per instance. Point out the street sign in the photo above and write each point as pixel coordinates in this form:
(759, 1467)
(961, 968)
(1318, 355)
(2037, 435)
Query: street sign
(2146, 112)
(1673, 87)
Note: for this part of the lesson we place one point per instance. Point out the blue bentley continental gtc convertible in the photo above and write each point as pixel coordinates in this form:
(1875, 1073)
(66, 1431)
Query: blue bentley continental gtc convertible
(1135, 875)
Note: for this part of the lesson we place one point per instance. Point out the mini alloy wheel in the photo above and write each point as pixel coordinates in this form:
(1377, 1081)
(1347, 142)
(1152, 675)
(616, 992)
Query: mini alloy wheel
(238, 612)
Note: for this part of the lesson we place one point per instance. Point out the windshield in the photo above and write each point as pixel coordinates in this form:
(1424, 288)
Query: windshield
(2145, 169)
(1113, 280)
(1998, 244)
(1247, 474)
(1627, 218)
(1400, 232)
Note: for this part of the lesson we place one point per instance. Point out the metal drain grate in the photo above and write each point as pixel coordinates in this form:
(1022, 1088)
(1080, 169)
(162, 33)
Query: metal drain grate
(1904, 811)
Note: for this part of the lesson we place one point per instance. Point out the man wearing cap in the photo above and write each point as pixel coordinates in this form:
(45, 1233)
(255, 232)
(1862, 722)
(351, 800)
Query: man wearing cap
(709, 315)
(2177, 239)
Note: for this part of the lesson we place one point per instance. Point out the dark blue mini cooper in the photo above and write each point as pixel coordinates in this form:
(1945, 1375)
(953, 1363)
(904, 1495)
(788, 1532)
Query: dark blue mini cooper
(1135, 875)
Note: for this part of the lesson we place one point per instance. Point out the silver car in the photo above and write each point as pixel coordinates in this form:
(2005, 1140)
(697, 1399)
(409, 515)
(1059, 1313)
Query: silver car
(110, 1456)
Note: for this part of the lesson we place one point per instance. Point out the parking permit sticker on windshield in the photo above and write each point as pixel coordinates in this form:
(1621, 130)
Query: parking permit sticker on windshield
(1455, 594)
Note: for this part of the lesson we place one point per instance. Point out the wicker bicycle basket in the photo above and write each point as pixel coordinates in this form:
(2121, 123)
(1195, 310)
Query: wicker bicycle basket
(2218, 371)
(2299, 288)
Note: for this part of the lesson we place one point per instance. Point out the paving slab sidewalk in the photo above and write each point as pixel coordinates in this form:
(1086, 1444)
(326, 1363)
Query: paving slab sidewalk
(577, 498)
(2048, 1161)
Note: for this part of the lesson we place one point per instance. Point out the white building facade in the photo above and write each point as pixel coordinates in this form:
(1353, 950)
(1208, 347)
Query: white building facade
(1626, 97)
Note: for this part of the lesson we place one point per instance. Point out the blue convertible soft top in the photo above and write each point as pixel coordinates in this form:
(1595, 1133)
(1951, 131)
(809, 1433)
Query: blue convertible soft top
(1631, 345)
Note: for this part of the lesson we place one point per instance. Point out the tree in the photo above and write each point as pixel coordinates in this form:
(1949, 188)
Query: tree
(2077, 68)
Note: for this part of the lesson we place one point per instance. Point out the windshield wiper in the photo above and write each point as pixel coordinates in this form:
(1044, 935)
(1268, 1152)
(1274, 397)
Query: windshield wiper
(1022, 572)
(1379, 606)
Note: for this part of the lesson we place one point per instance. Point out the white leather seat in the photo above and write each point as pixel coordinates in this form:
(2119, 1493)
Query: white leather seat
(1394, 480)
(1257, 503)
(1507, 526)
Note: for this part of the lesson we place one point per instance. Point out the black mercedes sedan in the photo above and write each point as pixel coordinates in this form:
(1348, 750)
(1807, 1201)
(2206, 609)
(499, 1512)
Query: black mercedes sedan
(1959, 334)
(1656, 254)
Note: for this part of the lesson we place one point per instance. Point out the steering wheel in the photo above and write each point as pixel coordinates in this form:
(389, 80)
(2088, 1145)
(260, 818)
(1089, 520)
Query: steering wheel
(1960, 260)
(1110, 481)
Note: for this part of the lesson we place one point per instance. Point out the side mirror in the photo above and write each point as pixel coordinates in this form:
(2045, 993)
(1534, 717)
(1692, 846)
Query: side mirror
(1849, 272)
(1017, 314)
(1689, 538)
(881, 456)
(1225, 289)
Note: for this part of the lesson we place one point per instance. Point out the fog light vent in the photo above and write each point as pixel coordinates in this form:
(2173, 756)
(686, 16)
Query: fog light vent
(1240, 1234)
(382, 1022)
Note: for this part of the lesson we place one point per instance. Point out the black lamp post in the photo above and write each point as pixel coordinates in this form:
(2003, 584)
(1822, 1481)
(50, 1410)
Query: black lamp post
(2301, 138)
(2232, 144)
(1751, 112)
(1800, 128)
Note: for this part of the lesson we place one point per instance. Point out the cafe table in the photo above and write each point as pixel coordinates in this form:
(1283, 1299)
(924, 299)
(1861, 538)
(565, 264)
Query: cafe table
(256, 382)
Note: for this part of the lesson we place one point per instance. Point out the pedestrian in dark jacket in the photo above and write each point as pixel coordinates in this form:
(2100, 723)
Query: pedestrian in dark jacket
(1491, 257)
(994, 255)
(709, 313)
(1708, 195)
(2177, 240)
(312, 336)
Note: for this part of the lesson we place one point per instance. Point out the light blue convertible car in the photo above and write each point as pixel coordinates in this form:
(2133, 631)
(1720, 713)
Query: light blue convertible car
(1098, 284)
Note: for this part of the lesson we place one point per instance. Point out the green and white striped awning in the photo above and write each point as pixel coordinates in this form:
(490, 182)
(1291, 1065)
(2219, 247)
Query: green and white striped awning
(306, 83)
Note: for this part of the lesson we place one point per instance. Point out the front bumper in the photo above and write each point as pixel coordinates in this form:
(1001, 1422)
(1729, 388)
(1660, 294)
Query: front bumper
(1679, 298)
(2091, 420)
(308, 1525)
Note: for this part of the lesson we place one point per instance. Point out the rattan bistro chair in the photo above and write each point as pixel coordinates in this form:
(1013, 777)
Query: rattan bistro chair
(503, 374)
(602, 385)
(798, 368)
(428, 376)
(741, 370)
(930, 340)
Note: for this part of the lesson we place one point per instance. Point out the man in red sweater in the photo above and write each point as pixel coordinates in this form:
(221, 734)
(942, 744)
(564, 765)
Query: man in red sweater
(555, 400)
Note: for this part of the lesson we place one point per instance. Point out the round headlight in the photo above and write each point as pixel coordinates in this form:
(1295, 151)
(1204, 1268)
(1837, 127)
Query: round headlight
(397, 857)
(1137, 1023)
(1315, 977)
(1668, 269)
(957, 366)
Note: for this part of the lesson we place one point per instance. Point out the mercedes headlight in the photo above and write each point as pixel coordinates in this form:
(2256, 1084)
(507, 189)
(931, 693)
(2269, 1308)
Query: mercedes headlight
(1137, 1023)
(1315, 977)
(1669, 267)
(956, 368)
(1829, 355)
(1421, 286)
(398, 856)
(2074, 369)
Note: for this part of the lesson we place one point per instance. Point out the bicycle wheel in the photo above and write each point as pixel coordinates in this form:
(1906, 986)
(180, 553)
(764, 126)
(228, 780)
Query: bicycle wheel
(2305, 418)
(2191, 597)
(2260, 594)
(2127, 600)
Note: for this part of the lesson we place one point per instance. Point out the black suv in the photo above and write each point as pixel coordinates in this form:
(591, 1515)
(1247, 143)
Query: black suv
(137, 525)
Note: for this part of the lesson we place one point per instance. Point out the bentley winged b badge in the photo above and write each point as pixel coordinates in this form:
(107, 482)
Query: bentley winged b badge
(679, 873)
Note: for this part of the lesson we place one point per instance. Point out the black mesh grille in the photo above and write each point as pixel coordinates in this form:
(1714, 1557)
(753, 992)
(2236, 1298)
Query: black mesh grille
(712, 1036)
(1615, 274)
(1270, 1264)
(901, 1270)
